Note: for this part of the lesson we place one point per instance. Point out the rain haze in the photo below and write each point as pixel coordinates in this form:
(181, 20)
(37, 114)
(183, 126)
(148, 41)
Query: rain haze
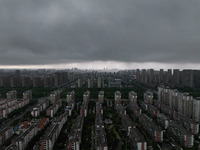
(100, 33)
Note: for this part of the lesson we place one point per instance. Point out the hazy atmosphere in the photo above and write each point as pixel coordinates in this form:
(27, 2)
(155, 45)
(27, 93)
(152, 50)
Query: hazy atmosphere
(126, 33)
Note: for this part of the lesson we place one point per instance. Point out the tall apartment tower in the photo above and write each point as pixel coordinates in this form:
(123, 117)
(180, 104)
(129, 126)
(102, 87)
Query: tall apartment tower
(54, 97)
(148, 97)
(27, 95)
(101, 96)
(11, 95)
(186, 104)
(70, 96)
(173, 100)
(133, 97)
(86, 97)
(196, 109)
(99, 82)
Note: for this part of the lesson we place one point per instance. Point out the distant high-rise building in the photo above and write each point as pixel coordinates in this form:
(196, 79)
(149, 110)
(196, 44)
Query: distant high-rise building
(89, 83)
(161, 76)
(79, 83)
(37, 82)
(176, 76)
(17, 73)
(56, 79)
(151, 75)
(138, 74)
(26, 82)
(35, 74)
(168, 77)
(187, 78)
(99, 82)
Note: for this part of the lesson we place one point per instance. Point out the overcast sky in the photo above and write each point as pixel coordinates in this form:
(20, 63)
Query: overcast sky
(108, 32)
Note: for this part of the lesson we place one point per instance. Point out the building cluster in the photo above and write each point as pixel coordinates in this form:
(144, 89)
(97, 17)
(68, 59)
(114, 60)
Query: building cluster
(178, 126)
(25, 132)
(90, 82)
(184, 137)
(35, 79)
(47, 141)
(179, 102)
(135, 138)
(100, 134)
(74, 137)
(11, 103)
(151, 128)
(177, 114)
(175, 78)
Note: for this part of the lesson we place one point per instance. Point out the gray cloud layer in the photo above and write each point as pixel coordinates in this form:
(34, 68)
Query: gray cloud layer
(62, 31)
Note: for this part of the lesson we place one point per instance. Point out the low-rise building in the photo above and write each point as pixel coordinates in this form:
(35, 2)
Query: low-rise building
(163, 120)
(135, 109)
(186, 122)
(136, 140)
(151, 128)
(5, 134)
(181, 135)
(52, 133)
(74, 137)
(152, 111)
(51, 111)
(100, 134)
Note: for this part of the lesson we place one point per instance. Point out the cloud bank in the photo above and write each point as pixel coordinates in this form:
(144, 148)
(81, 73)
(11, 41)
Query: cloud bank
(34, 32)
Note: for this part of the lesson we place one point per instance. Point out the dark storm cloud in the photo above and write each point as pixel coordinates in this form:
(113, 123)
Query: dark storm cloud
(62, 31)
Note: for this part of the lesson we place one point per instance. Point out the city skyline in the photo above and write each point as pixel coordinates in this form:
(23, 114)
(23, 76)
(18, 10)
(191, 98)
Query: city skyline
(100, 34)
